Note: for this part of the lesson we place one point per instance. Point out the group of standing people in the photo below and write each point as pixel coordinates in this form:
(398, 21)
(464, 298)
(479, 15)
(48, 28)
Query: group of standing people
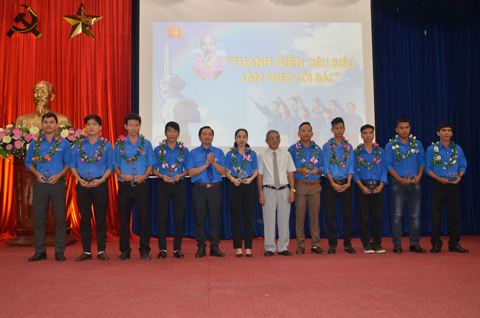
(282, 177)
(286, 115)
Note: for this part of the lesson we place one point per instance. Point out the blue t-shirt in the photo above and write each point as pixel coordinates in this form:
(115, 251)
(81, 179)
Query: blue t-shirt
(145, 160)
(251, 164)
(58, 160)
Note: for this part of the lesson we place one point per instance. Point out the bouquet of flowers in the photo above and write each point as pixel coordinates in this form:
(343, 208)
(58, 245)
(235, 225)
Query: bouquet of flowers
(15, 141)
(70, 133)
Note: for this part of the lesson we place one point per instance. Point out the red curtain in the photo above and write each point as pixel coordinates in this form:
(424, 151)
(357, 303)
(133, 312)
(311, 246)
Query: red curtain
(89, 76)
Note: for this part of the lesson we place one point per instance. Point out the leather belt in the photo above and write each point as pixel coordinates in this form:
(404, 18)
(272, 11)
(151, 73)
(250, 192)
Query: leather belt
(370, 183)
(340, 181)
(308, 182)
(207, 185)
(272, 187)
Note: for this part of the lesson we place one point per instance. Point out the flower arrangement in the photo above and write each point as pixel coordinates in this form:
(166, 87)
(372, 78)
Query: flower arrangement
(313, 160)
(362, 163)
(345, 156)
(396, 148)
(163, 152)
(437, 159)
(246, 157)
(15, 141)
(71, 134)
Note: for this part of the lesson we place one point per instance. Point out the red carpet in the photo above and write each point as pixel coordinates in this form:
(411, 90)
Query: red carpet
(340, 285)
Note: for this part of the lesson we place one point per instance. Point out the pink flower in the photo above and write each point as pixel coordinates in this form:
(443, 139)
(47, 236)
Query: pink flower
(79, 133)
(95, 155)
(71, 131)
(71, 138)
(18, 144)
(99, 158)
(208, 70)
(9, 147)
(27, 137)
(2, 134)
(343, 166)
(175, 169)
(330, 147)
(17, 131)
(102, 139)
(82, 160)
(361, 159)
(163, 166)
(35, 135)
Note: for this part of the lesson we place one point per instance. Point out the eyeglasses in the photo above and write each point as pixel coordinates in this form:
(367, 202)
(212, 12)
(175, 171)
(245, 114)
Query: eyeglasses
(273, 138)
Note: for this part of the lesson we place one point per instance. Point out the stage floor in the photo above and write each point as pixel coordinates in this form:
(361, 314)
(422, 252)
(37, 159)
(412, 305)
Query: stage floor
(310, 285)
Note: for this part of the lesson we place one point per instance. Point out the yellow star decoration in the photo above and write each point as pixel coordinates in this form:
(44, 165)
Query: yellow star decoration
(81, 22)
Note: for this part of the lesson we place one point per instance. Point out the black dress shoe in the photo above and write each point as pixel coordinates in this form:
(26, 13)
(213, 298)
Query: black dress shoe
(350, 250)
(268, 253)
(458, 249)
(239, 255)
(162, 254)
(200, 253)
(178, 254)
(332, 250)
(417, 248)
(123, 257)
(285, 253)
(216, 252)
(397, 248)
(83, 257)
(60, 257)
(248, 255)
(38, 257)
(318, 250)
(145, 256)
(435, 249)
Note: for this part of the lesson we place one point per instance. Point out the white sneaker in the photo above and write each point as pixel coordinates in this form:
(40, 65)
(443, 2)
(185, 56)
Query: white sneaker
(378, 249)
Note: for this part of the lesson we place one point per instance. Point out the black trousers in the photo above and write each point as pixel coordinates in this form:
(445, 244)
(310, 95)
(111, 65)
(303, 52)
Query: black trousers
(99, 198)
(140, 196)
(43, 194)
(330, 201)
(243, 194)
(175, 191)
(371, 203)
(207, 201)
(449, 194)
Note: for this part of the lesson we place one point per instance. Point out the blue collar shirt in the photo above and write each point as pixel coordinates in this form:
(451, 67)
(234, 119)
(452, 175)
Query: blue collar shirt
(250, 165)
(376, 173)
(445, 154)
(59, 159)
(144, 160)
(412, 163)
(307, 156)
(198, 157)
(92, 169)
(338, 172)
(172, 156)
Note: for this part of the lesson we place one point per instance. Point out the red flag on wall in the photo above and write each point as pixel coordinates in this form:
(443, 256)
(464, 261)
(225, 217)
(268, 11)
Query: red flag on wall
(174, 32)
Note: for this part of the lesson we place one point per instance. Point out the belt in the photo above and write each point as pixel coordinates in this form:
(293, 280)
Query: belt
(207, 185)
(92, 178)
(130, 182)
(308, 182)
(370, 183)
(272, 187)
(340, 181)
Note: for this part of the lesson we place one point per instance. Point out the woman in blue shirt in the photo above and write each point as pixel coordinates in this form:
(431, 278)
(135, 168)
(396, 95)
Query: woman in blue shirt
(242, 169)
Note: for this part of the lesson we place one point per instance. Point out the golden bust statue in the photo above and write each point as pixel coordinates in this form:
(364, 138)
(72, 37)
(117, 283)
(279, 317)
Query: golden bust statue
(43, 94)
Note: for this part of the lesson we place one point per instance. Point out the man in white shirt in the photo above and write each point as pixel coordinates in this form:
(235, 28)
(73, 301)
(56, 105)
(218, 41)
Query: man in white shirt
(275, 173)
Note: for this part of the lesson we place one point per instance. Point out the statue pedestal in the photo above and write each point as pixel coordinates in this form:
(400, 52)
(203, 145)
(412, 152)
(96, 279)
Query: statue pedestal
(23, 183)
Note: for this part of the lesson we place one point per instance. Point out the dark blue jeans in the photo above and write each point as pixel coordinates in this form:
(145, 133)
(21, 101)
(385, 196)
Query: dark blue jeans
(412, 194)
